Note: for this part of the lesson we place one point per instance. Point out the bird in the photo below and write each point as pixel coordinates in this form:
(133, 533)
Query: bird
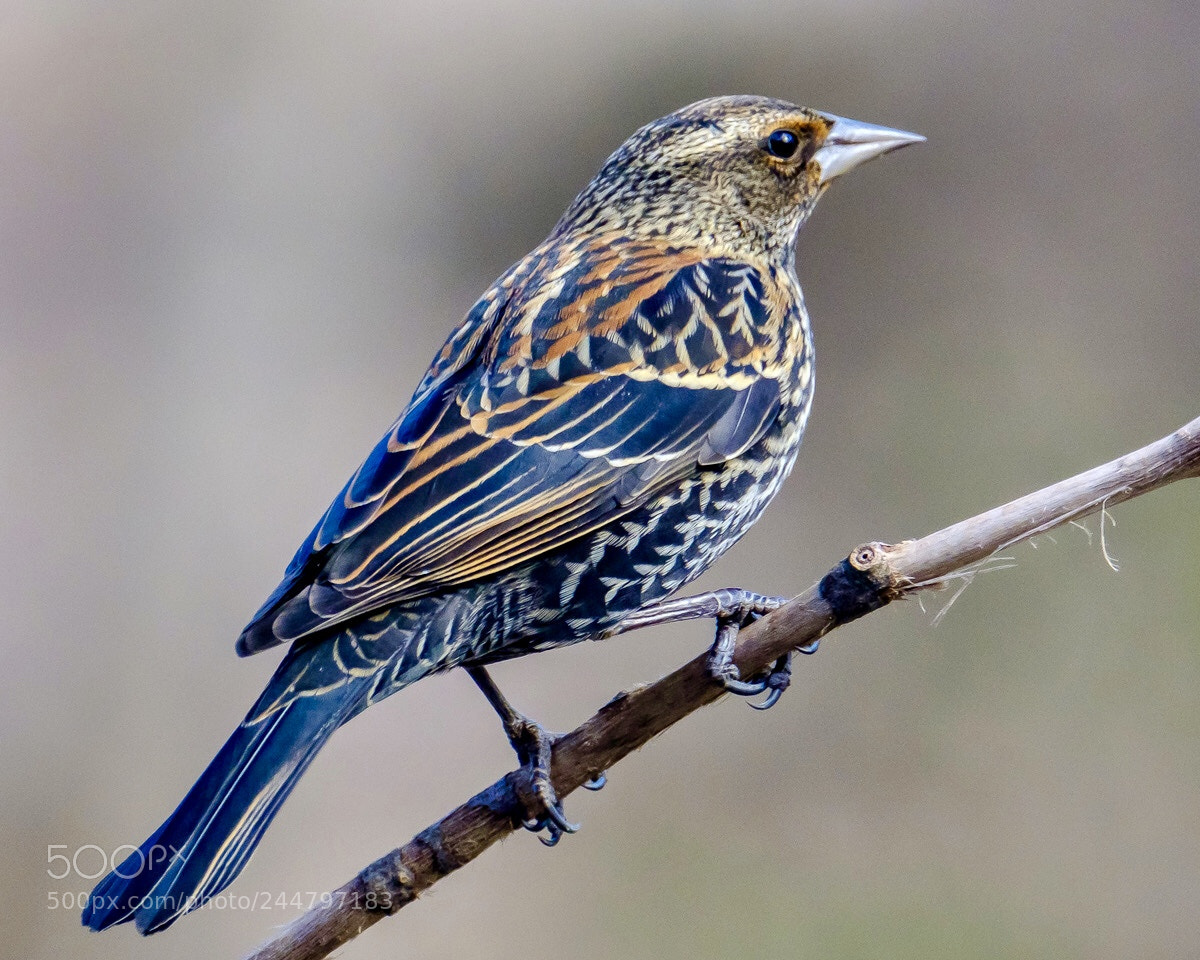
(610, 417)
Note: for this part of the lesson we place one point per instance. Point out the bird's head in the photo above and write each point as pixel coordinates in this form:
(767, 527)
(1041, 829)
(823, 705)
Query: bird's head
(740, 173)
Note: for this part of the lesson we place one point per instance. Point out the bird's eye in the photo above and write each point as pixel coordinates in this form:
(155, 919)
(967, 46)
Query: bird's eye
(782, 144)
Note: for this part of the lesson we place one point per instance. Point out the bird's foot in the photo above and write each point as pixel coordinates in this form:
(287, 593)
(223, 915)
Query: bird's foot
(534, 747)
(544, 811)
(736, 609)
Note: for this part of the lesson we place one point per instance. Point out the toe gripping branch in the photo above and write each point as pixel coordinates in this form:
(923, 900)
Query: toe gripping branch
(737, 609)
(544, 811)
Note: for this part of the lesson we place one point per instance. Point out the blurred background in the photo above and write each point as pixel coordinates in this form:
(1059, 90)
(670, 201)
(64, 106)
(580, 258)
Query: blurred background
(231, 237)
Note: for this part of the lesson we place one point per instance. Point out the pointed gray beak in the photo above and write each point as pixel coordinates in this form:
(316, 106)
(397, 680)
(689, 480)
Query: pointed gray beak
(850, 143)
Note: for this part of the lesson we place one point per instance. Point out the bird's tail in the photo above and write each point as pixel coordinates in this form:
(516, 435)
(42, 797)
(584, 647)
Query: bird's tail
(206, 842)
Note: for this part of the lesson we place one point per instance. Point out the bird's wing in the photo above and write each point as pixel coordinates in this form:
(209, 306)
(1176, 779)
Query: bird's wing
(570, 396)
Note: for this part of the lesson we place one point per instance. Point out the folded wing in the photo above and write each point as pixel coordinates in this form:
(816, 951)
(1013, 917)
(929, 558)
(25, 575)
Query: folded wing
(578, 388)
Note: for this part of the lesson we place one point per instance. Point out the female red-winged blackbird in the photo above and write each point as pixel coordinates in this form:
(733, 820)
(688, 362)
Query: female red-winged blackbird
(612, 415)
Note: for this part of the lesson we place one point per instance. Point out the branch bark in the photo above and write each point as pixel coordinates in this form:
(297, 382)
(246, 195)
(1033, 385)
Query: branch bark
(872, 576)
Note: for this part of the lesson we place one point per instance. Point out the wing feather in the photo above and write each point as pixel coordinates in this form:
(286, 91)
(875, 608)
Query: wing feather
(539, 423)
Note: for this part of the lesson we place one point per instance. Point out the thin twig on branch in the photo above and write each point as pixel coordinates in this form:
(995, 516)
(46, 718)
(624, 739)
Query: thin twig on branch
(872, 576)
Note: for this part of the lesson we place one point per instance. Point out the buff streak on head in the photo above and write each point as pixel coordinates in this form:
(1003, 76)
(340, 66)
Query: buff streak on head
(738, 172)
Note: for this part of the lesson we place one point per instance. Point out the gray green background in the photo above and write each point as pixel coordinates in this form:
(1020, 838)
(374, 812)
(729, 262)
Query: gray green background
(231, 236)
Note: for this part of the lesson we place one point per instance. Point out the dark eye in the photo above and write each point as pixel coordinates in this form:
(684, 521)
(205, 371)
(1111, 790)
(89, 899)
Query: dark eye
(782, 144)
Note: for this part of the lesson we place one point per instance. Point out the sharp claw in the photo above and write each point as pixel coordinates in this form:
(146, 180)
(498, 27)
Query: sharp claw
(779, 679)
(742, 688)
(554, 823)
(596, 783)
(772, 699)
(556, 818)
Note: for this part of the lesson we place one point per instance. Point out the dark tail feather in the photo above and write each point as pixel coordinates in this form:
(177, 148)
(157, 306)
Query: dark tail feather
(206, 842)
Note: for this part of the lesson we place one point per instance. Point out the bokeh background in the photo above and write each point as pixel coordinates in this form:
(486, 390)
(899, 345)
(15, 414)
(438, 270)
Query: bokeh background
(231, 236)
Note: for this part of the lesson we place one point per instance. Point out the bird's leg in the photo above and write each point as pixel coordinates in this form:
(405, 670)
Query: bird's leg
(533, 745)
(732, 609)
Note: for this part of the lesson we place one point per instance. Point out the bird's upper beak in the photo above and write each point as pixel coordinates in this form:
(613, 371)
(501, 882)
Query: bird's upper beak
(851, 142)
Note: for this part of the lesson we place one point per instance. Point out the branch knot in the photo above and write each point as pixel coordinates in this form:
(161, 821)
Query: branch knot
(861, 583)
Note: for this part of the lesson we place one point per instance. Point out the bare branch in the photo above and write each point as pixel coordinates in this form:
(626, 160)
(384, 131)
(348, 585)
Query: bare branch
(872, 576)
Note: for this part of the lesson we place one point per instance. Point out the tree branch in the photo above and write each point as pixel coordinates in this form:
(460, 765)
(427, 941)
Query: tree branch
(872, 576)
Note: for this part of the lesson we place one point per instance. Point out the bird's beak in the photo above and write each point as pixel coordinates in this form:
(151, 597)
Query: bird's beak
(850, 143)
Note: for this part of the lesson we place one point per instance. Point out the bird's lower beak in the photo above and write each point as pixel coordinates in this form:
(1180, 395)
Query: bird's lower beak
(850, 143)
